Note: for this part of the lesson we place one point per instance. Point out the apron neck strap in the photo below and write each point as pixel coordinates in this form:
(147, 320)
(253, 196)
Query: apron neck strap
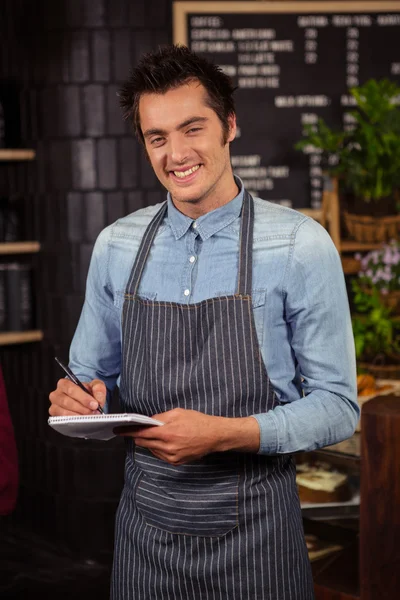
(245, 248)
(144, 249)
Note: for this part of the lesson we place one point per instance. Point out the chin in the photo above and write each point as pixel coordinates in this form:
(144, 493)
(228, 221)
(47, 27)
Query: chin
(188, 195)
(185, 199)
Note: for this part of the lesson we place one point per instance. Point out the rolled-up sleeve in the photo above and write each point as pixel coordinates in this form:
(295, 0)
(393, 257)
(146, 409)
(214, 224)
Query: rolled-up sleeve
(95, 351)
(319, 324)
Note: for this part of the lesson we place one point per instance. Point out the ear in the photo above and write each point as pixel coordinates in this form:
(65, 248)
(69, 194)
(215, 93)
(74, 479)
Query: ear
(232, 127)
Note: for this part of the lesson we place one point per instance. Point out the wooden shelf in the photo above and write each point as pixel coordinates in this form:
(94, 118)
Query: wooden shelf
(314, 213)
(353, 246)
(19, 247)
(17, 154)
(20, 337)
(351, 266)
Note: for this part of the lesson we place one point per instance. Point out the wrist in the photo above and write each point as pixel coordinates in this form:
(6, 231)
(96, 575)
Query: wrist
(240, 434)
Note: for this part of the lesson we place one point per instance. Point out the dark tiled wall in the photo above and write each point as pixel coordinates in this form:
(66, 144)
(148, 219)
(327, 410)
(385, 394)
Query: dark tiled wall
(69, 58)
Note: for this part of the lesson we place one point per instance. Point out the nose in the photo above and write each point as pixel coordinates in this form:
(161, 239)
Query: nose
(178, 150)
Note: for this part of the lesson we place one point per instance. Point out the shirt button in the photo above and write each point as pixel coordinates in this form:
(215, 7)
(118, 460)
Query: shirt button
(194, 225)
(192, 259)
(186, 292)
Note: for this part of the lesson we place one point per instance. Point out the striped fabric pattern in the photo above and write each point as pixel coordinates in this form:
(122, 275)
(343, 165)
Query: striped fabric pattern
(229, 525)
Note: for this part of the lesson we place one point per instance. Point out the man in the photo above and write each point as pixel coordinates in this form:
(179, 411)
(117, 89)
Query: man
(225, 317)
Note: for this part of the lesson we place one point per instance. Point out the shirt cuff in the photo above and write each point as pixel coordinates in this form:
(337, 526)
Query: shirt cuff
(268, 432)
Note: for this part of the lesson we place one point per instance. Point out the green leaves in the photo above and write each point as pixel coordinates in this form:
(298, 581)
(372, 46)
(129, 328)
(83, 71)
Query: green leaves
(375, 330)
(368, 155)
(321, 136)
(376, 99)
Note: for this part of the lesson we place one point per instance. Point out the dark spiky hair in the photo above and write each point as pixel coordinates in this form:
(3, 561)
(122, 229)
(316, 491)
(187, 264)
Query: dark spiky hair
(169, 68)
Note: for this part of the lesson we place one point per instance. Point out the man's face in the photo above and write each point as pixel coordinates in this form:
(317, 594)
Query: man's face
(185, 144)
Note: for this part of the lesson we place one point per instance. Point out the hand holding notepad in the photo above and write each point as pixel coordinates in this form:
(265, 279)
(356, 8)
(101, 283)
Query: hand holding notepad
(98, 426)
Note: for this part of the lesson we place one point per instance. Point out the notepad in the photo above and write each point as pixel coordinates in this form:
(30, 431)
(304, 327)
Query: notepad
(98, 427)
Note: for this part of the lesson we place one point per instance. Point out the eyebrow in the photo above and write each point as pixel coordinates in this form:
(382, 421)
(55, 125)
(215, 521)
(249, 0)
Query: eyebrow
(190, 121)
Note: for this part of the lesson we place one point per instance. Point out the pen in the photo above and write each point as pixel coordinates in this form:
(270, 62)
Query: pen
(75, 380)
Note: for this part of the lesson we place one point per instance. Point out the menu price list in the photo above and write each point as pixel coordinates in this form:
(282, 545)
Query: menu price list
(290, 70)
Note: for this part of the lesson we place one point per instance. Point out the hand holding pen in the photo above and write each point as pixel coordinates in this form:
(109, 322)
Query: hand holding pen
(75, 380)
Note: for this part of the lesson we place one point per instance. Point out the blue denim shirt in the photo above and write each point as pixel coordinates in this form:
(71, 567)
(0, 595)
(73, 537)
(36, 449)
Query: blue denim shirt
(299, 300)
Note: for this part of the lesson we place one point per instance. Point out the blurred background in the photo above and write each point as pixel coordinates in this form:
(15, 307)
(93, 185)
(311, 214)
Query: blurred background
(61, 64)
(69, 166)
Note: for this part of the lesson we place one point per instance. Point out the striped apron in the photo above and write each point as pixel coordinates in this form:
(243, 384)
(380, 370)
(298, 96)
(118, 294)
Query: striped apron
(228, 526)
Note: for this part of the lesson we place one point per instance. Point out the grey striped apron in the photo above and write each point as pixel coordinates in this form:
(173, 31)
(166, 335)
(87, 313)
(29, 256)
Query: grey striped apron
(227, 526)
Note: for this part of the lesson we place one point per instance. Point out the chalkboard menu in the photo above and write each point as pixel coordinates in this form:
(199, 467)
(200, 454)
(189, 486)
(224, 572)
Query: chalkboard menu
(292, 62)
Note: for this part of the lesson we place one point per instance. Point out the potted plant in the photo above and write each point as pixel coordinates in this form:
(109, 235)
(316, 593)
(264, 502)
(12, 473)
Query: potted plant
(376, 333)
(366, 160)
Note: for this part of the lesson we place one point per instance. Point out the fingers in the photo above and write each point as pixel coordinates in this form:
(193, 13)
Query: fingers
(68, 399)
(143, 437)
(140, 433)
(163, 450)
(160, 450)
(55, 411)
(127, 431)
(170, 415)
(169, 458)
(98, 390)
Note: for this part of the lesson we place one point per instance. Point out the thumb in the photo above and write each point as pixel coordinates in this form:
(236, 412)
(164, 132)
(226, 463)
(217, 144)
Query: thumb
(99, 390)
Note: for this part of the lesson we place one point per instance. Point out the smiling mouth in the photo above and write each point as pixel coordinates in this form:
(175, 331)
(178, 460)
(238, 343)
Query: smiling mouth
(183, 174)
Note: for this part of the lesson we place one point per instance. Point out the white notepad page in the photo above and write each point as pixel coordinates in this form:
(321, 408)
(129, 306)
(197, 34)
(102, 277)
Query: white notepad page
(98, 427)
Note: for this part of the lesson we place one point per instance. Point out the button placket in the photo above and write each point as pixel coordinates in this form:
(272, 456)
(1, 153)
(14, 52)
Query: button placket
(187, 282)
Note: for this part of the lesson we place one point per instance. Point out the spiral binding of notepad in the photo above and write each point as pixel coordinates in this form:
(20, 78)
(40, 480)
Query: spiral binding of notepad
(93, 417)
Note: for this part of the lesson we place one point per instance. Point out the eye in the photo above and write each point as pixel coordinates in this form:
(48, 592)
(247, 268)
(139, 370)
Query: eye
(194, 129)
(157, 141)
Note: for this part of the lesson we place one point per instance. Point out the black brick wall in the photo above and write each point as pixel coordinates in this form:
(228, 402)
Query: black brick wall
(69, 58)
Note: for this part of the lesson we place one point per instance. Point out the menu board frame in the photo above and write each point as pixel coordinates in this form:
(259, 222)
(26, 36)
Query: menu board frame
(181, 9)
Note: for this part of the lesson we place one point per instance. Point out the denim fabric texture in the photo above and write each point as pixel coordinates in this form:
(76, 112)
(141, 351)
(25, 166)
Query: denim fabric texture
(299, 301)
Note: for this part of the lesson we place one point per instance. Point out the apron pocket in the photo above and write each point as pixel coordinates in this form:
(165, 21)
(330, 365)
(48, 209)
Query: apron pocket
(199, 499)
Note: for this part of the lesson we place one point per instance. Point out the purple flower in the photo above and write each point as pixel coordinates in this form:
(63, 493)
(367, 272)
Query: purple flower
(381, 268)
(364, 262)
(395, 257)
(387, 257)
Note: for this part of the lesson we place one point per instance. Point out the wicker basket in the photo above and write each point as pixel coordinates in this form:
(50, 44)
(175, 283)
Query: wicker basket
(372, 230)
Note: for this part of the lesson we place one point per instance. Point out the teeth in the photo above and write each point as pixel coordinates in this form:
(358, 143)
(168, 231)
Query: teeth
(183, 174)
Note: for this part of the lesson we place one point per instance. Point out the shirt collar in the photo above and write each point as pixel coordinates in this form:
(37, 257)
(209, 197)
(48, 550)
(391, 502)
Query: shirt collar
(208, 224)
